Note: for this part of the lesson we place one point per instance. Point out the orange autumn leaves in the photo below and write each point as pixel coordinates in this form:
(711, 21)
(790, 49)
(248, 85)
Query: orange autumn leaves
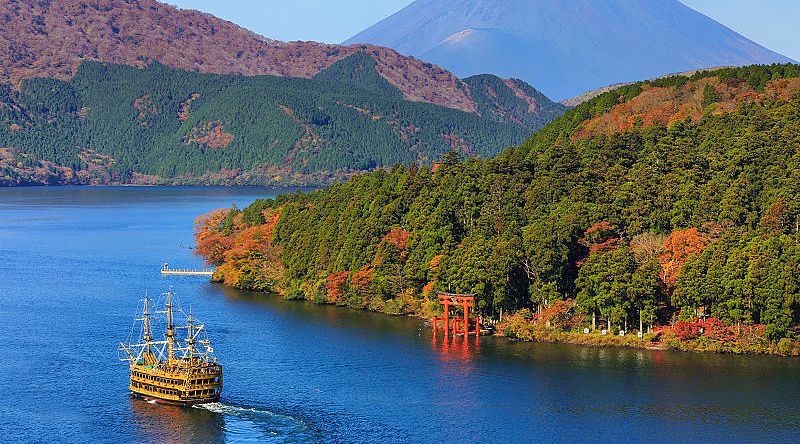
(600, 238)
(679, 247)
(397, 237)
(672, 252)
(247, 258)
(244, 254)
(211, 244)
(669, 104)
(337, 285)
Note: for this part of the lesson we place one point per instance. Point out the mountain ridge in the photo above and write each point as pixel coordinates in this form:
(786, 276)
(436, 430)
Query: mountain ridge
(49, 38)
(335, 110)
(117, 124)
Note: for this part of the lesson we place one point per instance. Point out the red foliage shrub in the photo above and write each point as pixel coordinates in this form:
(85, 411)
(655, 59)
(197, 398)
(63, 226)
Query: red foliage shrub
(600, 238)
(659, 329)
(361, 280)
(686, 330)
(397, 237)
(335, 286)
(558, 315)
(599, 230)
(605, 246)
(715, 329)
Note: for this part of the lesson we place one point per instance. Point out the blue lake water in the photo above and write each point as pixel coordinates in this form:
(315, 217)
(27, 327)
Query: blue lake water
(75, 261)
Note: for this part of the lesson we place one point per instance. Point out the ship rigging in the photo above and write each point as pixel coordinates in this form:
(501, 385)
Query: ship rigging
(177, 368)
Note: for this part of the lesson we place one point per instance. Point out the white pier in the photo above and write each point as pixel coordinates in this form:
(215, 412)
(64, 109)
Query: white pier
(165, 270)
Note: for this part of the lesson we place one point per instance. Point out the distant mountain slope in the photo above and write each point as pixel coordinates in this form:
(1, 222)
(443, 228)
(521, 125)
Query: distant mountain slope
(120, 124)
(588, 95)
(564, 47)
(500, 100)
(512, 100)
(49, 38)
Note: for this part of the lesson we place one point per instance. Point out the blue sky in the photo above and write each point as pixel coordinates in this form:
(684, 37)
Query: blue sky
(772, 23)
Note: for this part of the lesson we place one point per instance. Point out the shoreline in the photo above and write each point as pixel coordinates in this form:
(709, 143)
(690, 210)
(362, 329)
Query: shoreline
(592, 339)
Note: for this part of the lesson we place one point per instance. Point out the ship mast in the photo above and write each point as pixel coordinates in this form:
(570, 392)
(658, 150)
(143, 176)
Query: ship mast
(191, 336)
(170, 332)
(147, 337)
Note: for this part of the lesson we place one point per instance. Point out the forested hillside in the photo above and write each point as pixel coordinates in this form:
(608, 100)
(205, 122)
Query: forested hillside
(120, 124)
(512, 100)
(671, 202)
(50, 38)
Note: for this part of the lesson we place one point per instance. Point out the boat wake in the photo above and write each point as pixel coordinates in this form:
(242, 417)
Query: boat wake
(249, 423)
(226, 409)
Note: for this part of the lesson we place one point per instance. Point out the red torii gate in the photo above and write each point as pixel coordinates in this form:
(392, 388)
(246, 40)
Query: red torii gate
(457, 325)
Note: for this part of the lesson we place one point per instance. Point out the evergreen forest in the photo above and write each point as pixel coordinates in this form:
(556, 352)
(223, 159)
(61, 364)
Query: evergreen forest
(688, 219)
(120, 124)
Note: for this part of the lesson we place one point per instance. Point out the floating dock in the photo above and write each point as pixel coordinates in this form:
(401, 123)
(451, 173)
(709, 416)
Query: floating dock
(165, 270)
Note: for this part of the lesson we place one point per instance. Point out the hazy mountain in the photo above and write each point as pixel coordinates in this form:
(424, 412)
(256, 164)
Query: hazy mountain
(564, 47)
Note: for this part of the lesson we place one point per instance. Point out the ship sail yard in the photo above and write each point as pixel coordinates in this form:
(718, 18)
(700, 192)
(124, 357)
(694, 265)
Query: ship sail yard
(179, 368)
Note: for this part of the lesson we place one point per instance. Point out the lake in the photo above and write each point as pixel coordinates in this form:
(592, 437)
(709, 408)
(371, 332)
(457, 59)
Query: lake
(74, 262)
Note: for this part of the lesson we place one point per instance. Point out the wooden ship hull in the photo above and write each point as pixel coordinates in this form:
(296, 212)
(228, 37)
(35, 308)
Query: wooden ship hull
(180, 386)
(181, 403)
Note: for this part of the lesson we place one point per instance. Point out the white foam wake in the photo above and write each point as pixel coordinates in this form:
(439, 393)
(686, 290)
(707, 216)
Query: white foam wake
(261, 423)
(246, 412)
(226, 409)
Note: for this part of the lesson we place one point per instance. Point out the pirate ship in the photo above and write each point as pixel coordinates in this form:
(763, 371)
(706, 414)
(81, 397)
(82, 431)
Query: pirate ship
(175, 365)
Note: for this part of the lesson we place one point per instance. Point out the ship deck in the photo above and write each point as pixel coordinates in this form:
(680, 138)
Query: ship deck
(177, 384)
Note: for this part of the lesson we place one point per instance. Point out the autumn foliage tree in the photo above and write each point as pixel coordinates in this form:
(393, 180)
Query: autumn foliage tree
(336, 286)
(397, 237)
(210, 243)
(679, 247)
(600, 238)
(559, 315)
(244, 254)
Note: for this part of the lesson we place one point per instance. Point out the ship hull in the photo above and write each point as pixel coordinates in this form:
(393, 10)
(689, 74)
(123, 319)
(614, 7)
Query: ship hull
(184, 382)
(181, 403)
